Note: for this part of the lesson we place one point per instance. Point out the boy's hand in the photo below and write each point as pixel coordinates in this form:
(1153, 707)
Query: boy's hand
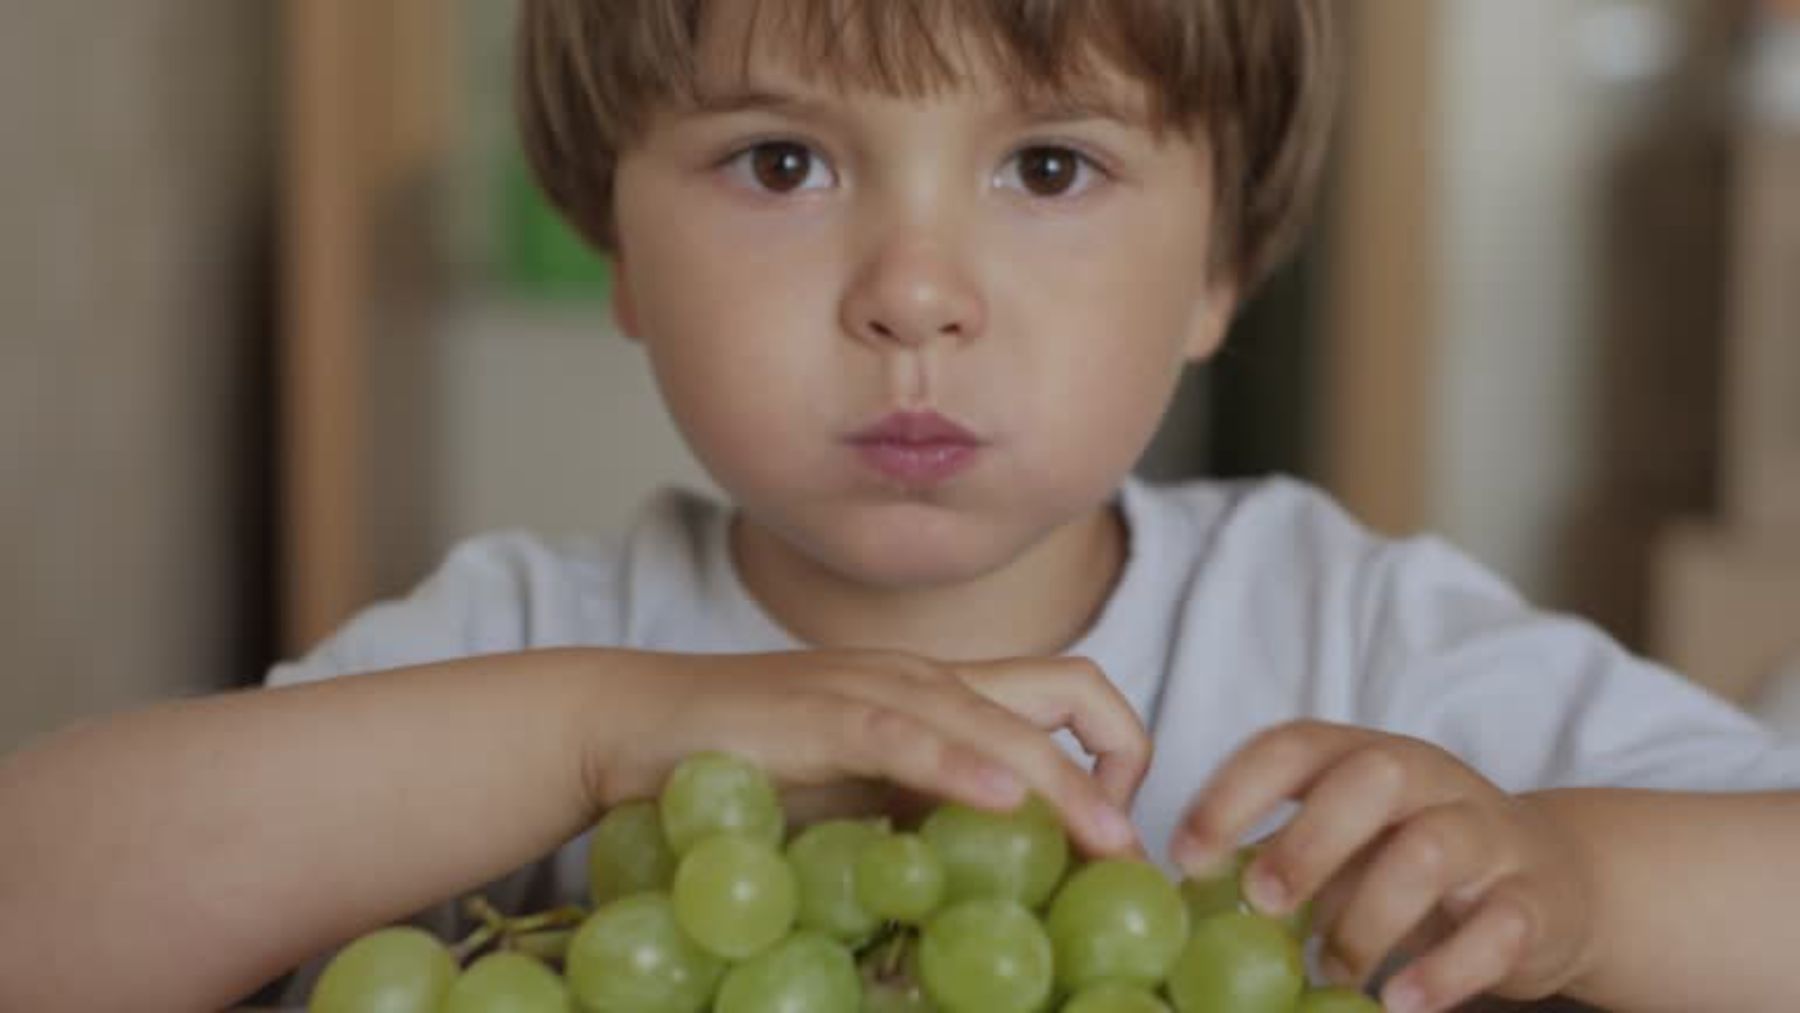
(972, 733)
(1405, 848)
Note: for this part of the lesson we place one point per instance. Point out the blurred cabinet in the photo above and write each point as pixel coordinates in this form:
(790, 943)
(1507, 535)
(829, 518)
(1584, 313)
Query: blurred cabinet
(1728, 593)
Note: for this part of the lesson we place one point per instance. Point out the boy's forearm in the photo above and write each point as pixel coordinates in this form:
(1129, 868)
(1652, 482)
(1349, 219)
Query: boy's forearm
(137, 852)
(1694, 898)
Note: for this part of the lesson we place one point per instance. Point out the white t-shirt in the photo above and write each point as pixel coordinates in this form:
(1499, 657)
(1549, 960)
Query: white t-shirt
(1241, 605)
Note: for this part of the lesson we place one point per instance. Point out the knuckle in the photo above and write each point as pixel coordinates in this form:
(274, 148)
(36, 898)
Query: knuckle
(1512, 927)
(1136, 751)
(1420, 853)
(1378, 767)
(878, 728)
(1281, 746)
(946, 760)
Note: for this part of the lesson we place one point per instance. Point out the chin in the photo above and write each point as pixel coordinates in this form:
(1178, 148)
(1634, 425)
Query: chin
(911, 547)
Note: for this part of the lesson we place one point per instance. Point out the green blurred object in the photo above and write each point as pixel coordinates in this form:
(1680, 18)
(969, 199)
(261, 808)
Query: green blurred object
(543, 256)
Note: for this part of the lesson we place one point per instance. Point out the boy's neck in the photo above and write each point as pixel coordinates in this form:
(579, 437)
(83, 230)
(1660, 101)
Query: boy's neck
(1039, 605)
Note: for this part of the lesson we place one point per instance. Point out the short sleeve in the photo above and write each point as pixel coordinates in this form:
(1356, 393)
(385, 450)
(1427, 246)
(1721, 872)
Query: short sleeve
(1453, 655)
(494, 594)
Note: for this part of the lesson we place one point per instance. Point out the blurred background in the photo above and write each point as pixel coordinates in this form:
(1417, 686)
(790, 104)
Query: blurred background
(281, 319)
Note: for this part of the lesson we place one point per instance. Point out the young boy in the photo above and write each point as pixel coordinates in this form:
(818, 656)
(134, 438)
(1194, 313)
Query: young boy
(917, 280)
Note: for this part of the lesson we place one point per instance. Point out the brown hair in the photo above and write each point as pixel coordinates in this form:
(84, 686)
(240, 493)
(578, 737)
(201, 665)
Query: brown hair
(1254, 77)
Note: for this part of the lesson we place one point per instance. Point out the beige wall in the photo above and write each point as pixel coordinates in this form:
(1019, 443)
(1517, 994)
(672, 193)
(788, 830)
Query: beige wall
(134, 198)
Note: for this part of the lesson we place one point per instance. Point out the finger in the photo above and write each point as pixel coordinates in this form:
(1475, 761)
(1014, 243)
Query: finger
(843, 736)
(1433, 853)
(1092, 819)
(1074, 693)
(1476, 958)
(1349, 805)
(1276, 765)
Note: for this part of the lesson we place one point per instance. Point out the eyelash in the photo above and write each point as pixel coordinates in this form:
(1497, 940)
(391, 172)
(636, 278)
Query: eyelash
(738, 163)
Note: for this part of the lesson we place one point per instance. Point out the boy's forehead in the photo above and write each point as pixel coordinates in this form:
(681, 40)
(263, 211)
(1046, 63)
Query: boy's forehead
(809, 46)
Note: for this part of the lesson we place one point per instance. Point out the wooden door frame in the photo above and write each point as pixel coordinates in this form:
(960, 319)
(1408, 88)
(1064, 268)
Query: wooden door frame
(1379, 331)
(363, 104)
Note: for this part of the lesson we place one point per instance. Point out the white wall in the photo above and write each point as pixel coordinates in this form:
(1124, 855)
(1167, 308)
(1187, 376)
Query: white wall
(549, 419)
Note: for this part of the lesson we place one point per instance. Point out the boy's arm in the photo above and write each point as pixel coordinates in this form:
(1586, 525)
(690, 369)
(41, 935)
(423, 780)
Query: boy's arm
(148, 855)
(1695, 898)
(179, 857)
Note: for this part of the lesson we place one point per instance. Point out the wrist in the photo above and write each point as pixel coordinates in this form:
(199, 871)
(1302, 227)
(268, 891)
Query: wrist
(608, 715)
(1558, 813)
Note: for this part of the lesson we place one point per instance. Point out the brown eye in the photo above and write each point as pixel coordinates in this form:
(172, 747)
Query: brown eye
(781, 166)
(1049, 172)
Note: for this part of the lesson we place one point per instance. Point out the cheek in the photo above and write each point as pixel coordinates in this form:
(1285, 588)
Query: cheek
(1121, 331)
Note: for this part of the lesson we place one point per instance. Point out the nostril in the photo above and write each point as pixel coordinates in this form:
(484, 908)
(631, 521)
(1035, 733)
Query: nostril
(880, 328)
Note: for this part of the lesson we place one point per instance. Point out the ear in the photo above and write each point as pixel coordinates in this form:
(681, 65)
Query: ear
(1212, 318)
(624, 307)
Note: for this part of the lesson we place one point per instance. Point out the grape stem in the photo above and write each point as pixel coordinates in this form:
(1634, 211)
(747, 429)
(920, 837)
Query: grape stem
(550, 946)
(893, 955)
(541, 934)
(561, 917)
(473, 943)
(481, 909)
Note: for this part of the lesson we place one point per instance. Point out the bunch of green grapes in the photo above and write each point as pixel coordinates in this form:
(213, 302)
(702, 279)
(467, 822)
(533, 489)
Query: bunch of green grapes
(702, 902)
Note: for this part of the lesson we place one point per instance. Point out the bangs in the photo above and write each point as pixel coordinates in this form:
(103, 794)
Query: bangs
(1253, 77)
(1040, 49)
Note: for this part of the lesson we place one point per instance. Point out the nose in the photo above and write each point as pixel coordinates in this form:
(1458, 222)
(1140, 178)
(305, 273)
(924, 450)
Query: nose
(910, 294)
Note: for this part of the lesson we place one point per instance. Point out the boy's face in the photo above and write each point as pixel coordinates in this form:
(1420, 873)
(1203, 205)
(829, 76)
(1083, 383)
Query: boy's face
(802, 263)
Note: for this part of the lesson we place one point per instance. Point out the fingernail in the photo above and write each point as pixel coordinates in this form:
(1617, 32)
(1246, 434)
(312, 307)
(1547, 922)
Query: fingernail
(1336, 971)
(1113, 829)
(1267, 892)
(1403, 997)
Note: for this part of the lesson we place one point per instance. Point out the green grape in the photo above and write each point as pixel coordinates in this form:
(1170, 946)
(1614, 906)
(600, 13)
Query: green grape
(1016, 856)
(986, 956)
(632, 956)
(507, 983)
(627, 853)
(735, 896)
(900, 878)
(1224, 891)
(804, 973)
(1113, 997)
(824, 860)
(1336, 1000)
(1240, 962)
(393, 970)
(1116, 920)
(712, 793)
